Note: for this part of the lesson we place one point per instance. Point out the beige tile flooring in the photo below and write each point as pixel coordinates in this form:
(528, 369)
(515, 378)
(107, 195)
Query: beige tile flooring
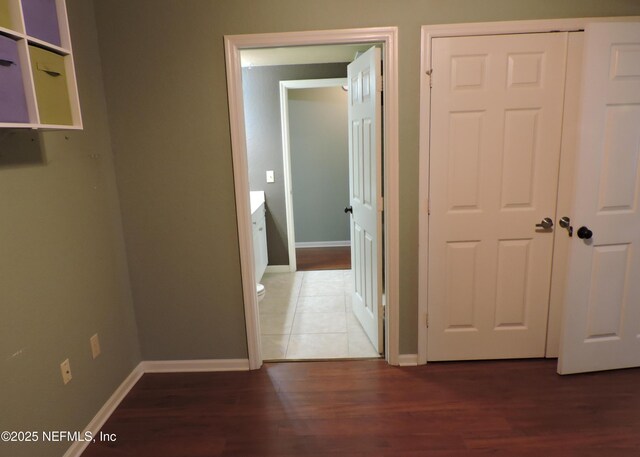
(307, 315)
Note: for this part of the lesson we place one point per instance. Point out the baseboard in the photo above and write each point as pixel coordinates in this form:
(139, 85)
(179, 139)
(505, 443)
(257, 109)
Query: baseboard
(408, 360)
(187, 366)
(322, 244)
(278, 269)
(78, 447)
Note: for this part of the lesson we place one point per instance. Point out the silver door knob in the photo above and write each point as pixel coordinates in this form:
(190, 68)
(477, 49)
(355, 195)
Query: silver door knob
(565, 223)
(546, 223)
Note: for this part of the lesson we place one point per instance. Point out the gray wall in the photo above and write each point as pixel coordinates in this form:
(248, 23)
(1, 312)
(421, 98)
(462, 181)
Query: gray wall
(170, 128)
(319, 145)
(63, 273)
(261, 90)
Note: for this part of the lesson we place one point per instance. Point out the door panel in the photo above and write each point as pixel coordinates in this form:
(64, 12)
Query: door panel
(495, 145)
(601, 324)
(365, 154)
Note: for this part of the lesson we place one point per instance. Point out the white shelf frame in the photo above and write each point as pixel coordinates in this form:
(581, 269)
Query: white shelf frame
(23, 41)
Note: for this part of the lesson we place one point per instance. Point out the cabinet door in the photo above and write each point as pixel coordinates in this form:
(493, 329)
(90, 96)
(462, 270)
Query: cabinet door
(264, 256)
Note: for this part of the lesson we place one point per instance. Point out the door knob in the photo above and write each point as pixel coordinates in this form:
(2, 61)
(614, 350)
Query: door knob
(546, 223)
(348, 209)
(565, 223)
(584, 233)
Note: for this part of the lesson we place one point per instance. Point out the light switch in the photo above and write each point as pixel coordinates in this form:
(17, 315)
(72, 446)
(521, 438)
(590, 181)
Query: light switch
(270, 177)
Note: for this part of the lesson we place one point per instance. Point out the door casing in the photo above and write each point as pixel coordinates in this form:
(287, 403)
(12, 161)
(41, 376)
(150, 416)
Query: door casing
(473, 29)
(388, 36)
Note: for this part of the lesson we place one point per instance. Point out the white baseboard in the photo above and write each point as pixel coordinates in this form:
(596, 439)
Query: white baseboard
(408, 360)
(78, 447)
(187, 366)
(278, 269)
(160, 366)
(322, 244)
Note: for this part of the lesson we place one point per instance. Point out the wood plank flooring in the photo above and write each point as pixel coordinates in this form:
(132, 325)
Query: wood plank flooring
(335, 258)
(367, 408)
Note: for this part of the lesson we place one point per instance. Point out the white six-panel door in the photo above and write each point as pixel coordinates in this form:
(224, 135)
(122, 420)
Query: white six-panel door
(496, 125)
(601, 323)
(365, 180)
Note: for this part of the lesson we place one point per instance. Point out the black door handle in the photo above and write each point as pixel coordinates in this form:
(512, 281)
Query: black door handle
(348, 209)
(584, 233)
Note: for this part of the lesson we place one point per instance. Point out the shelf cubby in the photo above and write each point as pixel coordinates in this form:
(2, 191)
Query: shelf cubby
(34, 35)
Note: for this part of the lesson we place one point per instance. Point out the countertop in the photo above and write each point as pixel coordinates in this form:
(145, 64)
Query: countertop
(257, 199)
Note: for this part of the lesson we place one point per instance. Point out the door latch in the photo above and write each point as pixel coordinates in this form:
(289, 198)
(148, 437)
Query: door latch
(545, 224)
(565, 223)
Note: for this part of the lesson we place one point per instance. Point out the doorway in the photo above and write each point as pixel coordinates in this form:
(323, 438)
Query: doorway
(234, 45)
(315, 143)
(307, 313)
(332, 155)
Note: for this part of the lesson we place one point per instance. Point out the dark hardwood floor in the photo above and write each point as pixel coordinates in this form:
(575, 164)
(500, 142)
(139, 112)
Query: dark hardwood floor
(367, 408)
(336, 258)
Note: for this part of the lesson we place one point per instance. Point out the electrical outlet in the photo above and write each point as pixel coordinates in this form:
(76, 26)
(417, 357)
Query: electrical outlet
(95, 345)
(270, 177)
(65, 368)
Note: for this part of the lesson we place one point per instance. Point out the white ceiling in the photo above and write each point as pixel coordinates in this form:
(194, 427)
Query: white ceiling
(300, 55)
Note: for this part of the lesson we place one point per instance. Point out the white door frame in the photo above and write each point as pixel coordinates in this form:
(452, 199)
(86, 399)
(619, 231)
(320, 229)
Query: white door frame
(388, 36)
(428, 32)
(285, 86)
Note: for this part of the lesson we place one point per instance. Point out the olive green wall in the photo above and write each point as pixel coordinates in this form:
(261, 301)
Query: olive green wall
(63, 272)
(166, 89)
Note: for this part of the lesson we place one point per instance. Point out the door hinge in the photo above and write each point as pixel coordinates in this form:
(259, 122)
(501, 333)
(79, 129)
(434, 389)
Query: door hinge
(380, 84)
(429, 74)
(428, 207)
(380, 203)
(426, 319)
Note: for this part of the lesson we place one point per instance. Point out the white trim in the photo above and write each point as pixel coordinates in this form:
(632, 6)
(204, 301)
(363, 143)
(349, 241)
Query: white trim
(285, 86)
(408, 360)
(278, 269)
(243, 206)
(189, 366)
(428, 32)
(322, 244)
(78, 447)
(233, 45)
(288, 185)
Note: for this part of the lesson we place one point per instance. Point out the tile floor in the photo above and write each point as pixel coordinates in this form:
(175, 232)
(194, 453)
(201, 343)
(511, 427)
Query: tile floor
(307, 315)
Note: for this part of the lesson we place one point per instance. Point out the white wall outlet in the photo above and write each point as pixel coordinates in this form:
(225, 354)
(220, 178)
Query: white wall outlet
(95, 345)
(65, 368)
(270, 176)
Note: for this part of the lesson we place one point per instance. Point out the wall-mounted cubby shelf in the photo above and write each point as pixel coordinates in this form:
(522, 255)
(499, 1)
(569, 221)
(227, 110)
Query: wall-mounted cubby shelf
(37, 75)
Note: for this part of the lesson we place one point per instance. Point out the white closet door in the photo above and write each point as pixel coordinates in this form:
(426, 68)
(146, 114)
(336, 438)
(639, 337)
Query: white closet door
(496, 119)
(601, 323)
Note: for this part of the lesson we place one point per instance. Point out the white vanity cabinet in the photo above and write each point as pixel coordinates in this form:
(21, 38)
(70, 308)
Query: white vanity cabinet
(258, 218)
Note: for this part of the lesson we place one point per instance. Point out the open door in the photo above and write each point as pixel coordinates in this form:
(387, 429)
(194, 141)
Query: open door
(365, 180)
(601, 323)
